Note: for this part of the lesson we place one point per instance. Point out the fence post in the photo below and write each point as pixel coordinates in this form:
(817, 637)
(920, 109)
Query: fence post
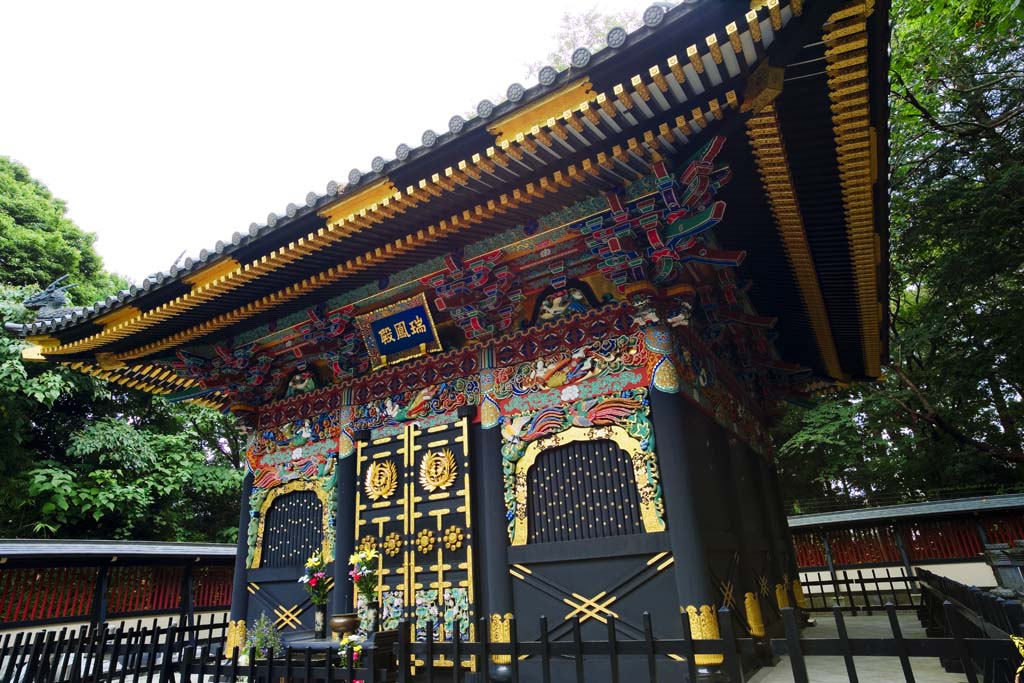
(33, 658)
(732, 657)
(844, 638)
(577, 647)
(115, 652)
(101, 648)
(958, 642)
(796, 653)
(165, 663)
(831, 565)
(513, 650)
(402, 651)
(691, 664)
(186, 664)
(864, 592)
(897, 633)
(613, 650)
(428, 655)
(545, 656)
(483, 636)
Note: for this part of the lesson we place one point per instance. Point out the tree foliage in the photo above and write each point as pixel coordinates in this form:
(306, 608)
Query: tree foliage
(83, 458)
(39, 243)
(947, 416)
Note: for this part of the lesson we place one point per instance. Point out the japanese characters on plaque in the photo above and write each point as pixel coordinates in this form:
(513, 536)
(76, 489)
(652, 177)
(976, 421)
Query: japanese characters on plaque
(399, 331)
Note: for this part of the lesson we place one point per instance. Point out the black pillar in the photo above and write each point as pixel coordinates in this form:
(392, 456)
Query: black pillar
(901, 546)
(345, 528)
(754, 545)
(239, 593)
(683, 446)
(722, 514)
(99, 603)
(784, 540)
(494, 584)
(187, 615)
(775, 566)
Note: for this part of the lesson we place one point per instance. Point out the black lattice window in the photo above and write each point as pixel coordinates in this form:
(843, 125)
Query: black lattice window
(293, 530)
(584, 489)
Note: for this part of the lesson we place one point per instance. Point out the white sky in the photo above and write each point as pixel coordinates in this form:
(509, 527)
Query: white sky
(168, 126)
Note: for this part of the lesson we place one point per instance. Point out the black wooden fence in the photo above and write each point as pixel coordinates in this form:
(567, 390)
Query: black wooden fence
(101, 654)
(165, 655)
(864, 590)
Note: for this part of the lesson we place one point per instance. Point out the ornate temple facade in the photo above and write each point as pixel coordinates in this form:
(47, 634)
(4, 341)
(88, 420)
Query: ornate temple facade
(534, 361)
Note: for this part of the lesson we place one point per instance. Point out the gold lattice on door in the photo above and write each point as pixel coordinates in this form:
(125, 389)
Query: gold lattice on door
(413, 505)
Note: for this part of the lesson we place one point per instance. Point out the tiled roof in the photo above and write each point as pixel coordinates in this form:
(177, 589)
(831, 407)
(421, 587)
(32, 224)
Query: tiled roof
(518, 96)
(25, 548)
(959, 506)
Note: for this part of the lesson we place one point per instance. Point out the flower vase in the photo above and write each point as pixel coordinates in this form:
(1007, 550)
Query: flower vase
(320, 622)
(371, 617)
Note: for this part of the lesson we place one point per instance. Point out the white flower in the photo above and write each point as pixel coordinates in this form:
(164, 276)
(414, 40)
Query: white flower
(570, 393)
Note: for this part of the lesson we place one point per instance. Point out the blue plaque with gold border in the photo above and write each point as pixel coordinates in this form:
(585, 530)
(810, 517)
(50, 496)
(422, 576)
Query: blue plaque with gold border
(399, 331)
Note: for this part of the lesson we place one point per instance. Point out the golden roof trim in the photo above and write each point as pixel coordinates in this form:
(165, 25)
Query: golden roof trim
(117, 316)
(364, 199)
(769, 151)
(569, 97)
(857, 154)
(209, 274)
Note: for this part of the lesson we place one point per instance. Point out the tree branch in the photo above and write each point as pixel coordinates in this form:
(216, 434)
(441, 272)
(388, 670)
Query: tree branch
(932, 417)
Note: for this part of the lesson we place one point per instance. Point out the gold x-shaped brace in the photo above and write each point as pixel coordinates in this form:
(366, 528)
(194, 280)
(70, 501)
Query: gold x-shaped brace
(763, 583)
(590, 608)
(727, 594)
(287, 616)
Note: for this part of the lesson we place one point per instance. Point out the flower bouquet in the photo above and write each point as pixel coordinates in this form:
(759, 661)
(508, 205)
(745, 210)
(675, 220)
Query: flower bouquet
(315, 578)
(364, 578)
(351, 648)
(364, 573)
(318, 586)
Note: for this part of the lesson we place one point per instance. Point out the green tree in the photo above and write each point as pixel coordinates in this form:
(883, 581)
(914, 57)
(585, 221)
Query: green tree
(947, 415)
(83, 458)
(39, 243)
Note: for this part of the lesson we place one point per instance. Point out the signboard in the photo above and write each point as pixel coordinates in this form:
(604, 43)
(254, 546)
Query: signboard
(399, 331)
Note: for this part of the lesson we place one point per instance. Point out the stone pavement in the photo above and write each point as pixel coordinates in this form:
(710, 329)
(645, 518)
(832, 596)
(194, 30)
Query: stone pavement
(869, 669)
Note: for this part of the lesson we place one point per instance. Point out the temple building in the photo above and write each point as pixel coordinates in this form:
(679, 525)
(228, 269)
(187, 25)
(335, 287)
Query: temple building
(534, 359)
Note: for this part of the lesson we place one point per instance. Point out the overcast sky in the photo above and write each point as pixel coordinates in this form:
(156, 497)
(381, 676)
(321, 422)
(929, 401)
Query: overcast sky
(169, 126)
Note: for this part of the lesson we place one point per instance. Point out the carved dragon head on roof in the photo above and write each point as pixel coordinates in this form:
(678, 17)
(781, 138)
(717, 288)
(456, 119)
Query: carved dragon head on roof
(51, 302)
